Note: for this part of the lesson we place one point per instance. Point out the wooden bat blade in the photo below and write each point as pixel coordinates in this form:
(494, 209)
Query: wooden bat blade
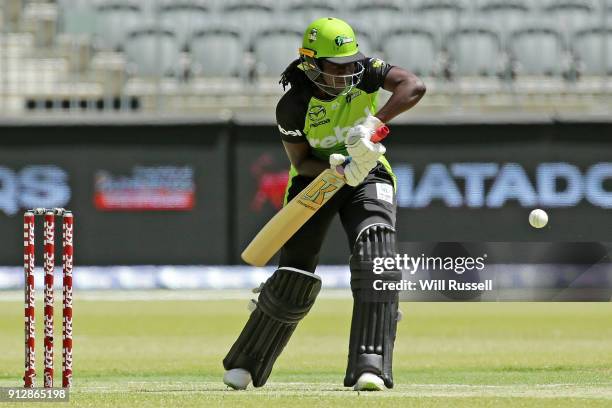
(295, 214)
(291, 217)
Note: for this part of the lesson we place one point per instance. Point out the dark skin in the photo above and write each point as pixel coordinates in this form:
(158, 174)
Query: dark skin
(406, 91)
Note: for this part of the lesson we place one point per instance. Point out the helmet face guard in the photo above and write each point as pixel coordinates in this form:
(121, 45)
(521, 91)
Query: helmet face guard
(331, 84)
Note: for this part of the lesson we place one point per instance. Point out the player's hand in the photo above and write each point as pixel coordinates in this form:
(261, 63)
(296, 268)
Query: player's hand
(372, 122)
(354, 173)
(359, 146)
(365, 129)
(358, 141)
(336, 163)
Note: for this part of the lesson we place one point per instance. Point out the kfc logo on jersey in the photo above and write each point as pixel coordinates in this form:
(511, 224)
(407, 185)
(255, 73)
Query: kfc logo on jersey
(289, 132)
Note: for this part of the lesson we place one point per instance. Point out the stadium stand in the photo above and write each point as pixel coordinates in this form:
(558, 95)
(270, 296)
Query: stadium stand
(377, 16)
(252, 15)
(75, 53)
(153, 51)
(413, 46)
(445, 15)
(570, 16)
(474, 52)
(589, 45)
(114, 20)
(538, 51)
(302, 13)
(274, 48)
(185, 17)
(217, 52)
(506, 16)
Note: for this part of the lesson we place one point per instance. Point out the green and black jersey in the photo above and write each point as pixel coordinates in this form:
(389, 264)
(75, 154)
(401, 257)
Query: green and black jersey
(303, 118)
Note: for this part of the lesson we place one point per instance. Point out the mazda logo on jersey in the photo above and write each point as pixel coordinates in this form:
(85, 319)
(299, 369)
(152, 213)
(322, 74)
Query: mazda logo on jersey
(316, 113)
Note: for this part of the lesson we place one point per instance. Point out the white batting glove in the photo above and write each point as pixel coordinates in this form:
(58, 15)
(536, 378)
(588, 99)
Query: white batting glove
(354, 173)
(358, 141)
(372, 123)
(336, 161)
(359, 146)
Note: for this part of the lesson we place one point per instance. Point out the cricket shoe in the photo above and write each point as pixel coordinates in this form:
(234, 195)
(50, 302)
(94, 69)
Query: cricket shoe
(237, 378)
(369, 382)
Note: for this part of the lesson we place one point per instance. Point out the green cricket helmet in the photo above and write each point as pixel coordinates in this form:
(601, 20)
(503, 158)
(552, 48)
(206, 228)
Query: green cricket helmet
(332, 40)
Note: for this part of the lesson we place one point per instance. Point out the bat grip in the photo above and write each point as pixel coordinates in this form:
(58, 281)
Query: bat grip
(380, 134)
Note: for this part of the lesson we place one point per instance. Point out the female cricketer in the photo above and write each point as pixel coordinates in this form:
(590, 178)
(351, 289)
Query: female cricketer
(326, 119)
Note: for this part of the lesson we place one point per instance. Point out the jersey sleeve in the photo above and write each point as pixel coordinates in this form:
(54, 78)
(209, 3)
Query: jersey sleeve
(290, 118)
(375, 71)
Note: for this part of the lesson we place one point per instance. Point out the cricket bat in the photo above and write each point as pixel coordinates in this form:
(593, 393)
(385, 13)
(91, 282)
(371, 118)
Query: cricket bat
(292, 216)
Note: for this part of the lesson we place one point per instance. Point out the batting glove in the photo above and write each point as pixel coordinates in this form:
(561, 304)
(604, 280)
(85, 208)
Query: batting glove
(358, 141)
(354, 173)
(361, 149)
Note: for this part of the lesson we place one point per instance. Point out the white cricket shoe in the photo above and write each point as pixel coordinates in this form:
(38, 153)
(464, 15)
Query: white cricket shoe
(369, 382)
(237, 378)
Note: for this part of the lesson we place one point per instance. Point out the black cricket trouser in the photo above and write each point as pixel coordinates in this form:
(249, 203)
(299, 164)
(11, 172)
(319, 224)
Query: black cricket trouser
(366, 204)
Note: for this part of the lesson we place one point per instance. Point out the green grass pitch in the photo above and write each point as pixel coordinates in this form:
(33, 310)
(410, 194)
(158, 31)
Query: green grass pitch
(168, 353)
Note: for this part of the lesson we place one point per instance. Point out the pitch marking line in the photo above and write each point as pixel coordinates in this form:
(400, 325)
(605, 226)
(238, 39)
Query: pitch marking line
(599, 391)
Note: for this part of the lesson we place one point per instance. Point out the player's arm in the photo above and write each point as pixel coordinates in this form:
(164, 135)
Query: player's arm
(302, 159)
(290, 117)
(407, 90)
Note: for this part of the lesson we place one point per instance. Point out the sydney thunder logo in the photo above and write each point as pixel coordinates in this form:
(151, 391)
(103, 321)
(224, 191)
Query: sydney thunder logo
(341, 40)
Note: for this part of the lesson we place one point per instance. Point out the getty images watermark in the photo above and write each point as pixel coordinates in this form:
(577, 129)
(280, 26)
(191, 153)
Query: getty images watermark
(432, 264)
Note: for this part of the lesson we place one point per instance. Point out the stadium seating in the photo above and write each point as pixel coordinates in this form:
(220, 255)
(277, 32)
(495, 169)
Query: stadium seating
(153, 52)
(185, 17)
(376, 16)
(505, 16)
(445, 15)
(251, 15)
(302, 13)
(474, 52)
(538, 51)
(114, 19)
(589, 46)
(217, 52)
(274, 49)
(414, 47)
(249, 42)
(570, 16)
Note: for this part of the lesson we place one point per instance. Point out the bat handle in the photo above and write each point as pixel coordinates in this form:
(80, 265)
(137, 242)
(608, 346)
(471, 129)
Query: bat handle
(380, 134)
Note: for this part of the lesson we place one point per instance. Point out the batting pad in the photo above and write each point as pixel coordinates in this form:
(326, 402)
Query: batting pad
(374, 321)
(285, 299)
